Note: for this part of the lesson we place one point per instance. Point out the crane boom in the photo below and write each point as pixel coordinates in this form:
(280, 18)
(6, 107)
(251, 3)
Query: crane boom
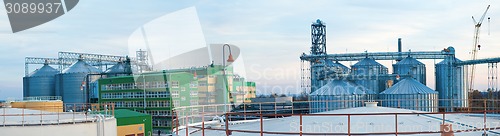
(477, 26)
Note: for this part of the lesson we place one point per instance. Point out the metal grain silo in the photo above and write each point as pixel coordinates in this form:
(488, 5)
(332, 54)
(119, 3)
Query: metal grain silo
(410, 94)
(339, 94)
(411, 66)
(318, 77)
(451, 84)
(120, 69)
(69, 82)
(335, 70)
(367, 72)
(40, 83)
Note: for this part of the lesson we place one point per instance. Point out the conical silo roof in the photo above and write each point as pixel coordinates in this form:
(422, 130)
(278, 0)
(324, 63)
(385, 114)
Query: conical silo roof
(81, 67)
(409, 86)
(46, 70)
(409, 61)
(448, 60)
(341, 87)
(118, 68)
(368, 62)
(330, 63)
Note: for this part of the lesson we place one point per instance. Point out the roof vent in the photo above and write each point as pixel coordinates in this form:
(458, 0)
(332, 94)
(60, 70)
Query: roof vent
(371, 104)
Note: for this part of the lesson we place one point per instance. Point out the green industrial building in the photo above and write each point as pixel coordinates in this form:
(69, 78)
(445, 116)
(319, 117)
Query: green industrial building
(133, 123)
(158, 93)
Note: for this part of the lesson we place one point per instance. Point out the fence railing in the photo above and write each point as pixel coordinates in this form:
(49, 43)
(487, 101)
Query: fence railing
(48, 115)
(196, 117)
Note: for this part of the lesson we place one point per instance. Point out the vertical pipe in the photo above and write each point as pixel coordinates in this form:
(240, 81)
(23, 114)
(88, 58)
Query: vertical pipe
(400, 48)
(244, 111)
(275, 112)
(261, 125)
(202, 124)
(349, 124)
(300, 124)
(177, 124)
(227, 124)
(400, 45)
(396, 121)
(484, 123)
(187, 126)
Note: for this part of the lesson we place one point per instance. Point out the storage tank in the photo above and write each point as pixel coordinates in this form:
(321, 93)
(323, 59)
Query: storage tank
(318, 77)
(41, 82)
(410, 94)
(367, 72)
(411, 66)
(339, 94)
(120, 69)
(451, 84)
(335, 70)
(69, 82)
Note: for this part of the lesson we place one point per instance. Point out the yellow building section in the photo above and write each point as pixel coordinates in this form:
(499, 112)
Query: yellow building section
(50, 106)
(130, 130)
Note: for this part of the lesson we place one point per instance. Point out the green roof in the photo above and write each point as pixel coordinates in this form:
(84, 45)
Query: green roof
(124, 113)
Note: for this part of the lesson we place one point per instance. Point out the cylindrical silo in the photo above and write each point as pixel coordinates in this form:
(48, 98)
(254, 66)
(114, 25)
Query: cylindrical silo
(71, 82)
(335, 70)
(411, 66)
(339, 94)
(410, 94)
(120, 69)
(451, 84)
(318, 77)
(367, 72)
(40, 83)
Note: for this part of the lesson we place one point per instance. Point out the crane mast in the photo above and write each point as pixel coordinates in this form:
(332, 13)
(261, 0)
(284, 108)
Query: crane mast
(475, 47)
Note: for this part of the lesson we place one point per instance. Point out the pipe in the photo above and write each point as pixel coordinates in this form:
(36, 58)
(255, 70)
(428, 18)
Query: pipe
(400, 48)
(103, 124)
(400, 45)
(98, 125)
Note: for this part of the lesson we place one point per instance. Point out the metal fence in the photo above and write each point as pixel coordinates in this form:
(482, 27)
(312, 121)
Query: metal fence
(45, 115)
(193, 119)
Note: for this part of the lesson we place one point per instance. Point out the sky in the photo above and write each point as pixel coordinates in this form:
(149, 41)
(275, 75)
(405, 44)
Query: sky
(270, 34)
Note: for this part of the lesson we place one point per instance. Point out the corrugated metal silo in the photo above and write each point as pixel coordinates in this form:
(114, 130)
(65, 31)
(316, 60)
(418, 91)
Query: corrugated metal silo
(410, 94)
(69, 82)
(339, 94)
(368, 70)
(411, 66)
(335, 70)
(40, 83)
(317, 75)
(451, 84)
(120, 69)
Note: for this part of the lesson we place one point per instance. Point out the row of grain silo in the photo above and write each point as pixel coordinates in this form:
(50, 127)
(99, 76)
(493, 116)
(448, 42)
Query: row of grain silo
(368, 80)
(70, 83)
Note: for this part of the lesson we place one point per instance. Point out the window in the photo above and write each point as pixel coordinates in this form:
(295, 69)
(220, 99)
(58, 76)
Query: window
(175, 84)
(193, 93)
(193, 84)
(175, 93)
(177, 103)
(193, 102)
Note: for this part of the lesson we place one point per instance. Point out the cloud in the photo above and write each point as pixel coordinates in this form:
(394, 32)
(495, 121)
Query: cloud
(270, 33)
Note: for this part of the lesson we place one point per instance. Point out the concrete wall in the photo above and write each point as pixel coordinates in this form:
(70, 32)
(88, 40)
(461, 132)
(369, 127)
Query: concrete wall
(79, 129)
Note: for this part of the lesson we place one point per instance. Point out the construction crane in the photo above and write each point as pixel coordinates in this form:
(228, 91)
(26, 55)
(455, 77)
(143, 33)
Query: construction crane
(475, 47)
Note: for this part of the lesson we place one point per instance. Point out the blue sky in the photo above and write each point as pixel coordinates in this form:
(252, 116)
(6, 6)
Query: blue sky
(271, 34)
